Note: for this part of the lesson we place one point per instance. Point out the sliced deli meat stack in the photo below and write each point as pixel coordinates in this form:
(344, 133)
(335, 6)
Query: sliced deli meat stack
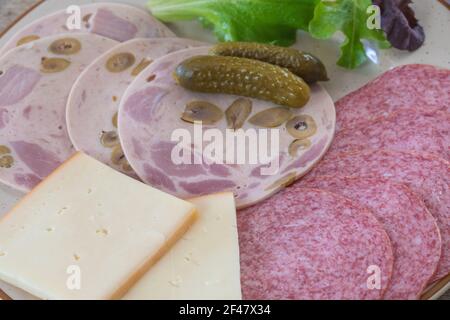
(412, 229)
(312, 244)
(35, 81)
(156, 117)
(426, 175)
(93, 103)
(410, 87)
(111, 20)
(408, 130)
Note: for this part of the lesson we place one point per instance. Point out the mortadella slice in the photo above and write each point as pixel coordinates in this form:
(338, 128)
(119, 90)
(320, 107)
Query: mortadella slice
(35, 81)
(93, 103)
(311, 244)
(413, 87)
(428, 176)
(116, 21)
(150, 124)
(412, 229)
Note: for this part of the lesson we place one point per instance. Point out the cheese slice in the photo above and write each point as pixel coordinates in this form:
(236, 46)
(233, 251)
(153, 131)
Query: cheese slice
(4, 296)
(204, 263)
(14, 293)
(88, 232)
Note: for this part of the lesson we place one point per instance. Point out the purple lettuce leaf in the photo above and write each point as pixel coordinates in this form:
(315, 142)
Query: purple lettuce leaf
(400, 24)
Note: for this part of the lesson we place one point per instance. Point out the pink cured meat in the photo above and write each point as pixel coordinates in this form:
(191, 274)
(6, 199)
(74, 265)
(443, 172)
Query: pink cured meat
(96, 106)
(33, 105)
(152, 132)
(16, 83)
(311, 244)
(119, 22)
(406, 130)
(412, 229)
(426, 175)
(410, 87)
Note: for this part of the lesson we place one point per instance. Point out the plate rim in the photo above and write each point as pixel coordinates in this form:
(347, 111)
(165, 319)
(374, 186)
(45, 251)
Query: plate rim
(20, 17)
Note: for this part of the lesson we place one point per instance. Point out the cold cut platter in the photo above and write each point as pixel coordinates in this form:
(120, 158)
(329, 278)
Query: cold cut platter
(179, 167)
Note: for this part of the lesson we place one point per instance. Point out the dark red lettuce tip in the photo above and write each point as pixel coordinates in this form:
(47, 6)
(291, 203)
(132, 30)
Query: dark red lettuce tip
(400, 24)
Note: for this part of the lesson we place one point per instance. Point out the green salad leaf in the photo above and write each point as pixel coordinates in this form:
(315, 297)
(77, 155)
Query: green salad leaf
(350, 17)
(277, 21)
(267, 21)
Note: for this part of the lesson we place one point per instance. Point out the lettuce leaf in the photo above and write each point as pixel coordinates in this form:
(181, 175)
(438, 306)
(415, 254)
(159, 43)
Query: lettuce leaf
(277, 21)
(400, 24)
(267, 21)
(350, 17)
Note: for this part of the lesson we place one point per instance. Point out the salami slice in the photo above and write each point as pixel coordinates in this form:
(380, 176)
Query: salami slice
(404, 130)
(426, 175)
(93, 103)
(411, 87)
(312, 244)
(151, 113)
(35, 81)
(412, 229)
(119, 22)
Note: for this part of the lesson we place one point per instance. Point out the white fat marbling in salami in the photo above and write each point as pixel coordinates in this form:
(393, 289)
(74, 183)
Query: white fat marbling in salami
(93, 103)
(151, 112)
(412, 229)
(411, 87)
(428, 176)
(111, 20)
(35, 81)
(409, 130)
(312, 244)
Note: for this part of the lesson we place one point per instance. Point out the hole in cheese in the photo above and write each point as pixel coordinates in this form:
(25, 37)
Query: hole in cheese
(62, 210)
(102, 232)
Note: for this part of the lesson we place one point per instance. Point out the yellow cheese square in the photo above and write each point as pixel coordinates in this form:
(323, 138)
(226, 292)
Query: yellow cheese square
(204, 263)
(88, 232)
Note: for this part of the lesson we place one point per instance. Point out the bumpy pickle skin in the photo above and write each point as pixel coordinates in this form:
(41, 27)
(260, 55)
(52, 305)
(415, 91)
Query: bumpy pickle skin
(302, 64)
(243, 77)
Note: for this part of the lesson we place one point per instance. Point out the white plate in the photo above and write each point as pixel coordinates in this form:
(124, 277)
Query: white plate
(433, 16)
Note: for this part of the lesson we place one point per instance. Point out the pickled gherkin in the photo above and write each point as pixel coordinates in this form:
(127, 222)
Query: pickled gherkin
(302, 64)
(244, 77)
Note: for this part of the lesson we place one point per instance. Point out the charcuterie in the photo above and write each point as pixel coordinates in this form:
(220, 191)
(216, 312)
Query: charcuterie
(426, 175)
(155, 106)
(93, 103)
(312, 244)
(412, 229)
(35, 81)
(413, 130)
(410, 87)
(144, 159)
(116, 21)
